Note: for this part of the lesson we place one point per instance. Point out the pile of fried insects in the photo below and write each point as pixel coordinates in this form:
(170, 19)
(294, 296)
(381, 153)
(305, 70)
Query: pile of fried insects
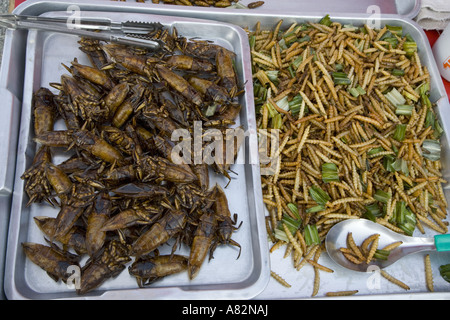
(358, 136)
(119, 194)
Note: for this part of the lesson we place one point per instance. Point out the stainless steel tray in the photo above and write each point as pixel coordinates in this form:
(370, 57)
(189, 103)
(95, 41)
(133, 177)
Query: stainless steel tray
(224, 276)
(411, 270)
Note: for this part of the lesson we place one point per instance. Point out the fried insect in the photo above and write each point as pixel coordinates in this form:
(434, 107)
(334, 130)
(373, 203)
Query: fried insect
(184, 62)
(225, 70)
(168, 226)
(51, 259)
(108, 263)
(122, 194)
(179, 84)
(44, 111)
(149, 270)
(99, 215)
(201, 243)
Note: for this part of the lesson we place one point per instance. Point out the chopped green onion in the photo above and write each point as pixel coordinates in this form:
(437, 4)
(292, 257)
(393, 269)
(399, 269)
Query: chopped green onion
(356, 92)
(381, 254)
(410, 96)
(338, 67)
(404, 110)
(277, 121)
(295, 105)
(326, 21)
(304, 39)
(272, 75)
(400, 132)
(444, 270)
(393, 41)
(296, 63)
(431, 149)
(272, 111)
(395, 97)
(311, 235)
(409, 47)
(252, 41)
(280, 235)
(400, 165)
(382, 196)
(398, 30)
(372, 212)
(340, 78)
(398, 72)
(319, 196)
(375, 151)
(404, 218)
(314, 209)
(294, 209)
(330, 172)
(283, 104)
(211, 110)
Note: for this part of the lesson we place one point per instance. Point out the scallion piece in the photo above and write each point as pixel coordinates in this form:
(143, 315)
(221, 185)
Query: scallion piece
(400, 132)
(382, 196)
(295, 105)
(283, 104)
(372, 212)
(398, 72)
(314, 209)
(326, 21)
(311, 235)
(444, 271)
(330, 172)
(319, 196)
(400, 165)
(340, 78)
(296, 63)
(404, 110)
(294, 209)
(398, 30)
(409, 47)
(381, 254)
(431, 149)
(277, 121)
(395, 97)
(211, 110)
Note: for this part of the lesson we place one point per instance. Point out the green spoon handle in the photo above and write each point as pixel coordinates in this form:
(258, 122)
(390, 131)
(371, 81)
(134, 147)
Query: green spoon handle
(442, 242)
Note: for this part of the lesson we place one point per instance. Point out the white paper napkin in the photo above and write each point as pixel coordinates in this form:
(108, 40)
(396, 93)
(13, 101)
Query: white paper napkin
(434, 14)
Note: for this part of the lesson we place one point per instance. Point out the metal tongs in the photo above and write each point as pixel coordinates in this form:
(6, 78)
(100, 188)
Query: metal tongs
(132, 33)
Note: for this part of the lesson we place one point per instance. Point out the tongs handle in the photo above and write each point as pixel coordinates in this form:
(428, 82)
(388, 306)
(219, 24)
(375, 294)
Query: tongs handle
(94, 28)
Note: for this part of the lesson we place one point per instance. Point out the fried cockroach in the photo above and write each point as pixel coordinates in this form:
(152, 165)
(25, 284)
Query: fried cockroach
(168, 226)
(97, 146)
(106, 264)
(44, 111)
(180, 85)
(94, 75)
(131, 104)
(157, 168)
(55, 262)
(141, 191)
(189, 63)
(74, 238)
(149, 270)
(99, 214)
(116, 96)
(225, 70)
(203, 49)
(201, 243)
(131, 217)
(210, 90)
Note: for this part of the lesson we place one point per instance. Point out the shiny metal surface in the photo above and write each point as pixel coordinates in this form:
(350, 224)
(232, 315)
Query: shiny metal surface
(361, 229)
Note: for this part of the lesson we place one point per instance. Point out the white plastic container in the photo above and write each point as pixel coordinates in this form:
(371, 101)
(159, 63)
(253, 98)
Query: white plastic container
(441, 51)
